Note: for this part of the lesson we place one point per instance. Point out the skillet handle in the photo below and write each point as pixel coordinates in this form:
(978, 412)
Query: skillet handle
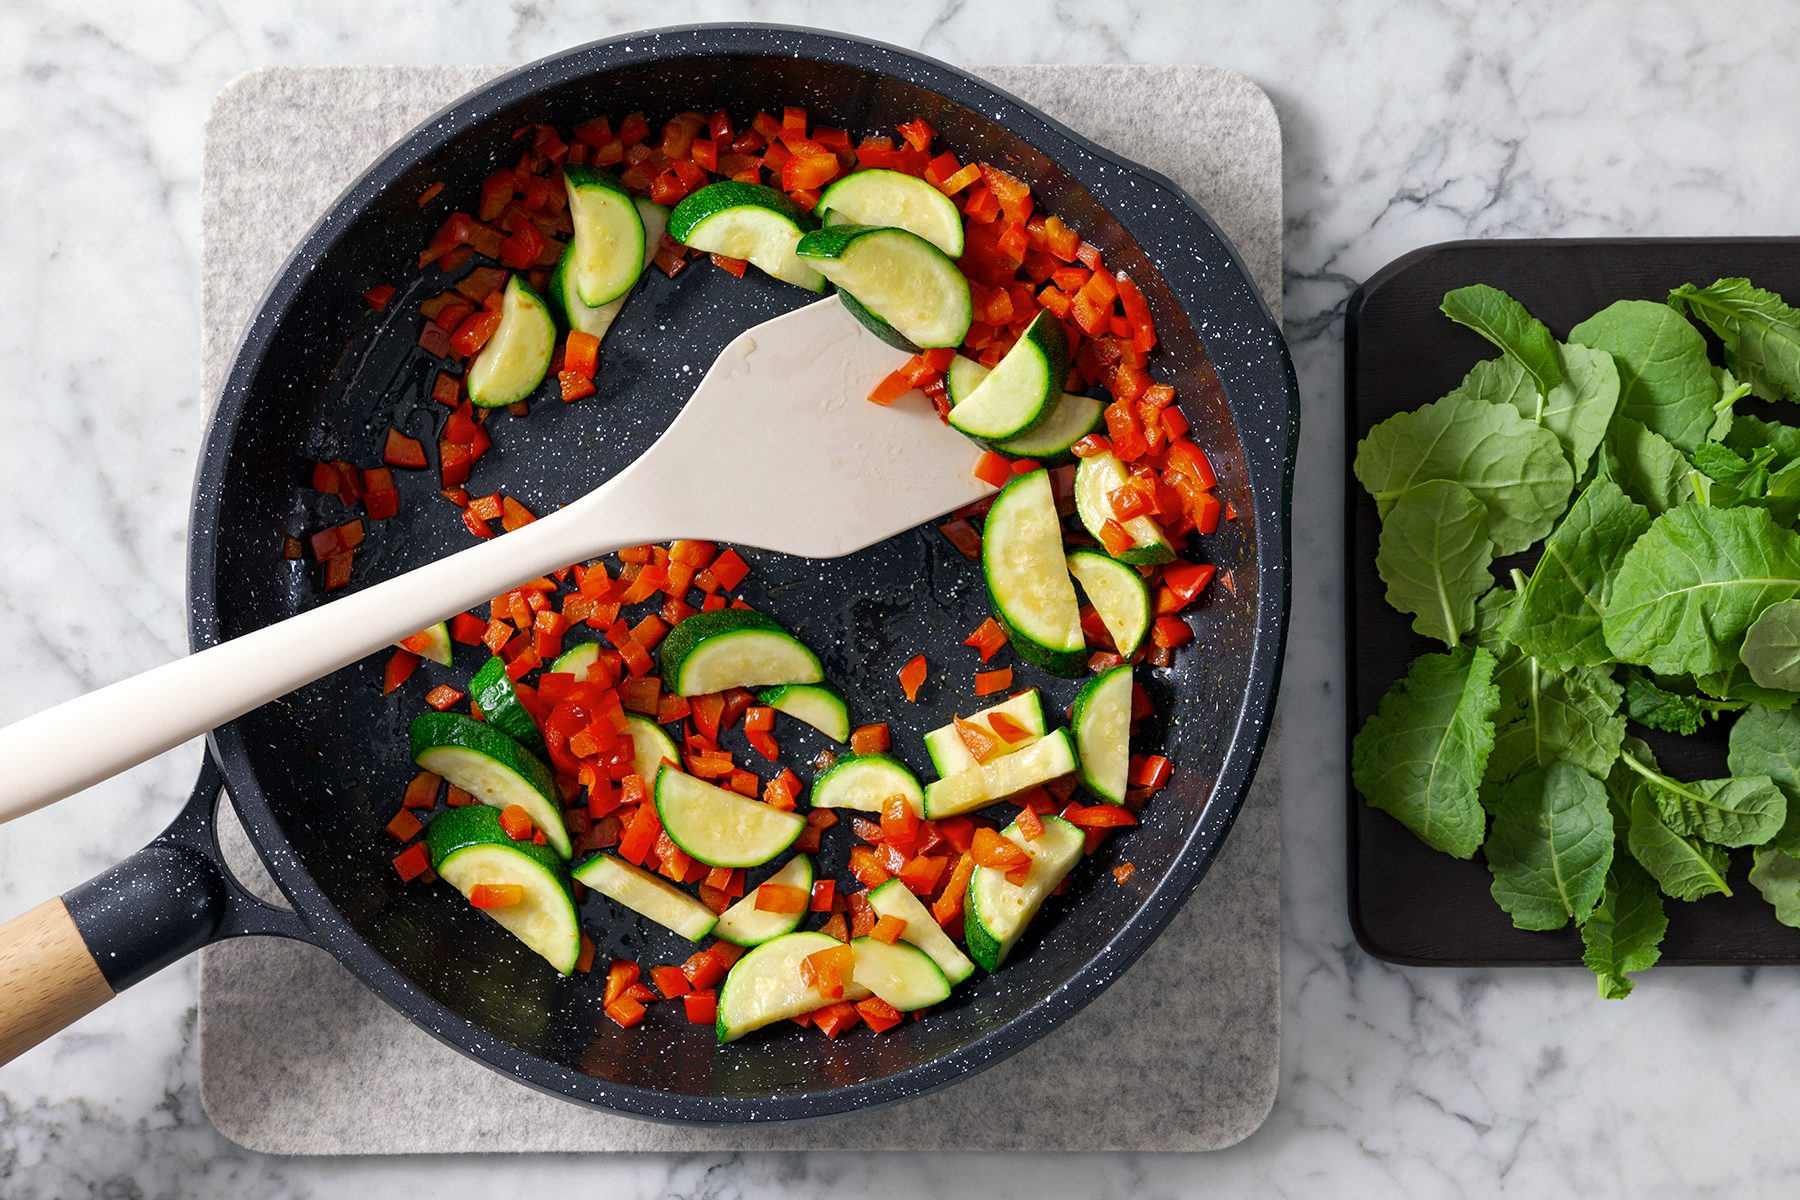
(48, 977)
(71, 954)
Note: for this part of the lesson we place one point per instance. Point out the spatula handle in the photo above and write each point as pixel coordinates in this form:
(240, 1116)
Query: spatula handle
(82, 741)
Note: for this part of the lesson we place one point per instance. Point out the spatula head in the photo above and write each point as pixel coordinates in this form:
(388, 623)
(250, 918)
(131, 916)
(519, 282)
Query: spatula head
(780, 447)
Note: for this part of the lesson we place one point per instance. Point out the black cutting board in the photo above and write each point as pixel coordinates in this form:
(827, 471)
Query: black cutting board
(1410, 904)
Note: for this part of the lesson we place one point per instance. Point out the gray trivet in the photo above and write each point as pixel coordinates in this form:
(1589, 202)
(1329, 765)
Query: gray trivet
(1182, 1053)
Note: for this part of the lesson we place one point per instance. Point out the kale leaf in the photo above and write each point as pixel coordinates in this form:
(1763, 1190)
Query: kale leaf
(1421, 757)
(1516, 469)
(1503, 321)
(1761, 334)
(1434, 556)
(1690, 587)
(1651, 704)
(1625, 931)
(1558, 616)
(1550, 846)
(1771, 648)
(1665, 379)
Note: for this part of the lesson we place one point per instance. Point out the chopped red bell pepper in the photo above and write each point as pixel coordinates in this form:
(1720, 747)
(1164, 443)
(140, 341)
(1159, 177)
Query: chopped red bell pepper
(702, 1007)
(404, 825)
(871, 739)
(989, 682)
(400, 666)
(993, 469)
(912, 677)
(496, 895)
(780, 898)
(412, 862)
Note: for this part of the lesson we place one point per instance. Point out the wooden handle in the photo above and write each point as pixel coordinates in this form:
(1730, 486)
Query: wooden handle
(48, 978)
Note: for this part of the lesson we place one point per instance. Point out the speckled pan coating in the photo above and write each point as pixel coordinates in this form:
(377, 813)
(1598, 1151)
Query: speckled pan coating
(315, 776)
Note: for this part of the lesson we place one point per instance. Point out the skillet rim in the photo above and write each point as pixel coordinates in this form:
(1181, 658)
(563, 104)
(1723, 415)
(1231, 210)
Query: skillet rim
(1085, 162)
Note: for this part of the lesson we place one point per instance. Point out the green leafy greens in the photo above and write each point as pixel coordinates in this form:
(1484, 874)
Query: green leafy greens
(1761, 334)
(1434, 558)
(1667, 594)
(1421, 757)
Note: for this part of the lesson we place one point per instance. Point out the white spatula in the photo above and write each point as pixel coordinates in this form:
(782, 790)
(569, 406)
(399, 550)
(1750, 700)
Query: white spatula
(778, 448)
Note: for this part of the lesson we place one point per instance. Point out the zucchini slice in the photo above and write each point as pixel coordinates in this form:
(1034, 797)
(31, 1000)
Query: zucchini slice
(517, 357)
(892, 899)
(818, 704)
(433, 643)
(765, 986)
(996, 911)
(897, 200)
(1028, 577)
(902, 974)
(945, 744)
(1071, 418)
(493, 693)
(567, 305)
(751, 222)
(468, 847)
(733, 647)
(1096, 479)
(897, 277)
(1119, 595)
(647, 895)
(748, 925)
(721, 828)
(576, 661)
(1101, 720)
(1018, 395)
(650, 745)
(490, 766)
(606, 252)
(1050, 757)
(865, 782)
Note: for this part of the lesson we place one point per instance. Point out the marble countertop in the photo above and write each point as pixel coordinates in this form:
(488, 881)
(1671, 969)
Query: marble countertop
(1406, 123)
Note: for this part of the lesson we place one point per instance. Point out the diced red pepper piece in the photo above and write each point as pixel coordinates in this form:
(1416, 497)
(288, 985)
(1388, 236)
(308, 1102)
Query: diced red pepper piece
(878, 1014)
(404, 825)
(888, 929)
(1149, 771)
(625, 1012)
(402, 451)
(1098, 816)
(987, 639)
(780, 898)
(1171, 633)
(412, 862)
(871, 739)
(989, 682)
(702, 1007)
(443, 697)
(670, 981)
(400, 666)
(912, 677)
(981, 745)
(993, 469)
(496, 895)
(998, 853)
(899, 823)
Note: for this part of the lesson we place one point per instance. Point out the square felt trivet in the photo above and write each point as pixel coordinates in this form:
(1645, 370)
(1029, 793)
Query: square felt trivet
(1181, 1053)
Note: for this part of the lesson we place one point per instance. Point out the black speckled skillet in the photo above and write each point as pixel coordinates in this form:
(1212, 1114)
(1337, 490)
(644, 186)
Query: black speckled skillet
(315, 776)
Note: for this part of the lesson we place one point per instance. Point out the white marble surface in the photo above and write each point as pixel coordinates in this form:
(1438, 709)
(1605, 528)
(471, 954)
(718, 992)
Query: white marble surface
(1406, 123)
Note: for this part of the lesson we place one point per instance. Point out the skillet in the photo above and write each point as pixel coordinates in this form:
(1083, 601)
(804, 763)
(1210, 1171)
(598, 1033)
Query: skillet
(315, 776)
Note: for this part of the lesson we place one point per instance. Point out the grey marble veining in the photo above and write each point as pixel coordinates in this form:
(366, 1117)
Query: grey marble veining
(1406, 123)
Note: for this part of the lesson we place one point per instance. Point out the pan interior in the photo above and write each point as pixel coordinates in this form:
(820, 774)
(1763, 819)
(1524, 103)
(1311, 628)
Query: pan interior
(330, 761)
